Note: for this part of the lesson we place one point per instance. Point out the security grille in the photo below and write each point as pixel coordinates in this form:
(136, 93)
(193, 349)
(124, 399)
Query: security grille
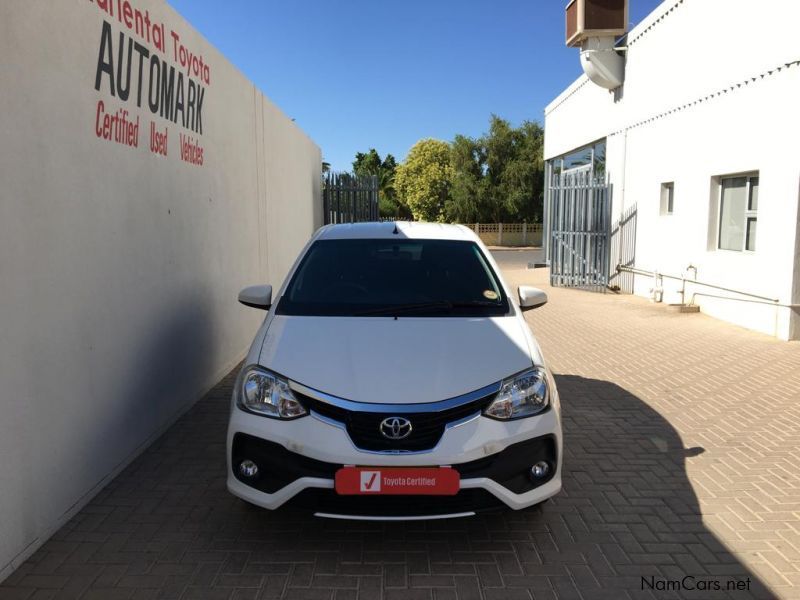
(579, 217)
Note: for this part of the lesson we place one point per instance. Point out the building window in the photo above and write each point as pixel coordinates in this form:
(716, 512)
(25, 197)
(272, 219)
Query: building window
(591, 157)
(738, 213)
(667, 198)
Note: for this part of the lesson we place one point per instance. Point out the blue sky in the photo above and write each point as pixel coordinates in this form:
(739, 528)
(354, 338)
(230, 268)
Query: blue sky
(357, 74)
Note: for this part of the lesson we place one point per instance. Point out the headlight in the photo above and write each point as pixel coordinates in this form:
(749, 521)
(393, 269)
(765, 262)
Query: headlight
(523, 395)
(265, 393)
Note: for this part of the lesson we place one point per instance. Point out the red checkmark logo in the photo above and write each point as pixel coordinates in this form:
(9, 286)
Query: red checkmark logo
(370, 481)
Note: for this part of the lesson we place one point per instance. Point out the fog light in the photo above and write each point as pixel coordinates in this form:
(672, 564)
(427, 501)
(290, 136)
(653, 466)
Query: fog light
(540, 470)
(247, 468)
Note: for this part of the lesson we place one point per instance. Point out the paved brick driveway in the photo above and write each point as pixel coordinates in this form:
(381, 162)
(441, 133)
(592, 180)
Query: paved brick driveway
(682, 458)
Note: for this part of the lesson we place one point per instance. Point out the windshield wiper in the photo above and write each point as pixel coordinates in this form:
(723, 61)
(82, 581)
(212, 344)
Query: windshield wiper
(476, 303)
(390, 310)
(440, 305)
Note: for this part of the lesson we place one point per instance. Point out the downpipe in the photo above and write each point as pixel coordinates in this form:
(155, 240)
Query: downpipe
(683, 282)
(657, 291)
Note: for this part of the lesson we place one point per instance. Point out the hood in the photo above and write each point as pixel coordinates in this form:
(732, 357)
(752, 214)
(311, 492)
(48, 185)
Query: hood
(383, 360)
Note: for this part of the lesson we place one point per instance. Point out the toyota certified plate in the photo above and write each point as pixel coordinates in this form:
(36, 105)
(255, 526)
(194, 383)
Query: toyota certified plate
(437, 481)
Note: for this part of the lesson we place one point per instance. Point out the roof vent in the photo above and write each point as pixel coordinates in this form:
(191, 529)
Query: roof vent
(594, 26)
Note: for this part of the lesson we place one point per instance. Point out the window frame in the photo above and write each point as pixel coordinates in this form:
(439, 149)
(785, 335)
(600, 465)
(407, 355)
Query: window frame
(747, 214)
(667, 208)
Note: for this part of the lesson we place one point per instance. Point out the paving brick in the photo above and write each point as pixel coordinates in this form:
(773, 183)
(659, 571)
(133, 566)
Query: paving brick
(468, 587)
(16, 593)
(207, 593)
(639, 388)
(394, 576)
(273, 586)
(334, 581)
(408, 594)
(100, 593)
(142, 581)
(44, 581)
(489, 575)
(431, 581)
(507, 594)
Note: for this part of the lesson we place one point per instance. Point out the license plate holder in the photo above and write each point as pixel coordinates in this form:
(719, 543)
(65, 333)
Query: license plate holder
(397, 481)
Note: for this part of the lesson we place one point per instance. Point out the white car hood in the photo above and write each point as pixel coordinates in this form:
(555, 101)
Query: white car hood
(383, 360)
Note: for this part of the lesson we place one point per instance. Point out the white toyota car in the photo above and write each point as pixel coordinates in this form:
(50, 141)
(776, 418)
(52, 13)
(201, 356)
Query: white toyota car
(394, 377)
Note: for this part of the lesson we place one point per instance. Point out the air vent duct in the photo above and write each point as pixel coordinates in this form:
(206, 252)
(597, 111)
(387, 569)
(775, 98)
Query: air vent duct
(594, 26)
(595, 18)
(602, 63)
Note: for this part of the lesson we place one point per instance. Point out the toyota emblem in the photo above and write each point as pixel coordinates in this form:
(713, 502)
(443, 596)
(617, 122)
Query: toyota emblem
(395, 428)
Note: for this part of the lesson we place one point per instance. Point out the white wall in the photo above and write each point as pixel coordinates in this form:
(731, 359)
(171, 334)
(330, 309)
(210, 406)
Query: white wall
(690, 110)
(119, 269)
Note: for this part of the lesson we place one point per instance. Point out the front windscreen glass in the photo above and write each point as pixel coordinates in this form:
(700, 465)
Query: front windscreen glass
(380, 277)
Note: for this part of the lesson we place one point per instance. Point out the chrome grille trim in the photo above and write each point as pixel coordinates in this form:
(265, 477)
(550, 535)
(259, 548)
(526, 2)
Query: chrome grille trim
(398, 409)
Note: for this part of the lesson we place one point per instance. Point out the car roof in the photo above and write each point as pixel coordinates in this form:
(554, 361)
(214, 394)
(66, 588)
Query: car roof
(396, 229)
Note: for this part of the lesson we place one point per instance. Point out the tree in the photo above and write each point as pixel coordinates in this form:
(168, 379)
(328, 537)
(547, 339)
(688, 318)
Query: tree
(423, 180)
(468, 190)
(499, 176)
(516, 169)
(367, 163)
(370, 163)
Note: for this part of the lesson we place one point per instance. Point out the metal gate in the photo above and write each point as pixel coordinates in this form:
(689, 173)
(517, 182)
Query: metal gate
(623, 250)
(348, 198)
(579, 222)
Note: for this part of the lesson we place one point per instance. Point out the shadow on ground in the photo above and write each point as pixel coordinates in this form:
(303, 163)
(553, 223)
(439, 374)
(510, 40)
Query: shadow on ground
(628, 519)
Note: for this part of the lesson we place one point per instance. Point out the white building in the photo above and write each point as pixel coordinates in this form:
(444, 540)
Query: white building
(702, 142)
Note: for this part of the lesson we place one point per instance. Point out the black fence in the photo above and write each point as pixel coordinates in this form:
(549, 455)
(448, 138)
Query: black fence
(347, 198)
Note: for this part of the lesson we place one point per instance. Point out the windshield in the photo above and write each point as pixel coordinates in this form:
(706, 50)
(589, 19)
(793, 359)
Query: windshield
(380, 277)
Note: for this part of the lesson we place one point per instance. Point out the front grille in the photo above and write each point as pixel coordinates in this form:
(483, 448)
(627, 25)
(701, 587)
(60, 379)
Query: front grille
(427, 427)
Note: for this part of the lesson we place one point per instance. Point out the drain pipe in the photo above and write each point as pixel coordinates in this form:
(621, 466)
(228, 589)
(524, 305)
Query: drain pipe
(683, 282)
(657, 291)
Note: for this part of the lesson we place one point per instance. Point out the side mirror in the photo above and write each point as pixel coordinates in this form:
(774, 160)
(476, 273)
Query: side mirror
(257, 296)
(531, 297)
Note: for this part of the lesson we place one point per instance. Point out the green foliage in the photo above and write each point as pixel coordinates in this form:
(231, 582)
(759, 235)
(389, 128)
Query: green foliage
(498, 177)
(388, 208)
(367, 163)
(370, 163)
(516, 170)
(423, 180)
(467, 193)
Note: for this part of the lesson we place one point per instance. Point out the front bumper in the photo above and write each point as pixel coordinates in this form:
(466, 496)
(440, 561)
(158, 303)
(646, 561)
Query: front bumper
(298, 460)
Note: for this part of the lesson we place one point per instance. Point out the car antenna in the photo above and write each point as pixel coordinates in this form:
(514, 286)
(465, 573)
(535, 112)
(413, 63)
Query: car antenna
(396, 231)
